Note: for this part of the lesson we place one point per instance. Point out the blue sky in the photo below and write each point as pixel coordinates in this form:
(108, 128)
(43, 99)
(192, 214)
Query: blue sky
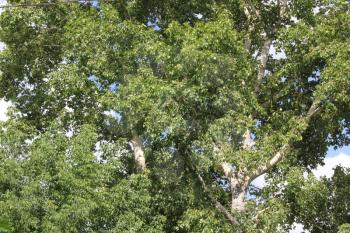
(332, 152)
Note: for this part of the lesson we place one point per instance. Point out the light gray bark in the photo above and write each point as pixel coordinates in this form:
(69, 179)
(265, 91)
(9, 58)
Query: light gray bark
(139, 155)
(248, 142)
(238, 190)
(281, 153)
(217, 204)
(283, 4)
(264, 55)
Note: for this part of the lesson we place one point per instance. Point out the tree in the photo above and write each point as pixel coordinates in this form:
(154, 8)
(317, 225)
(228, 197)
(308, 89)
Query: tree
(156, 116)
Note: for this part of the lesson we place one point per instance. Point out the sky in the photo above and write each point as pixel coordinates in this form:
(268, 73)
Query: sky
(2, 2)
(334, 157)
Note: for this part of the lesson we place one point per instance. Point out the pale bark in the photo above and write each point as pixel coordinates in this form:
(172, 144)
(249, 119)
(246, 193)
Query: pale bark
(248, 142)
(264, 56)
(227, 169)
(273, 161)
(139, 155)
(251, 12)
(217, 204)
(238, 202)
(247, 40)
(238, 190)
(283, 4)
(314, 108)
(238, 185)
(249, 6)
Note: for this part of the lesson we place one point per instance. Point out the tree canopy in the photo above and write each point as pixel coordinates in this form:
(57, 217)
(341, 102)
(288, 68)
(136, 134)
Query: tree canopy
(156, 116)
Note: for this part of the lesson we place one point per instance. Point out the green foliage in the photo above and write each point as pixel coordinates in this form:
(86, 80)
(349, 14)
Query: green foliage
(61, 187)
(5, 226)
(183, 77)
(344, 228)
(320, 205)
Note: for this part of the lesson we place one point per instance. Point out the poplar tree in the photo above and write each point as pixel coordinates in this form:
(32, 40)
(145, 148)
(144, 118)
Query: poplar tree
(157, 116)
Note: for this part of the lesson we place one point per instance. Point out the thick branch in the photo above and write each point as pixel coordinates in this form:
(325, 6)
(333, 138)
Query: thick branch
(238, 190)
(139, 156)
(248, 8)
(248, 142)
(283, 4)
(273, 161)
(227, 169)
(314, 108)
(247, 40)
(264, 55)
(217, 204)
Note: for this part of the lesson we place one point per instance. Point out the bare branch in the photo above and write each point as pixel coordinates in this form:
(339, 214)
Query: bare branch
(249, 6)
(226, 167)
(239, 186)
(237, 182)
(247, 40)
(313, 109)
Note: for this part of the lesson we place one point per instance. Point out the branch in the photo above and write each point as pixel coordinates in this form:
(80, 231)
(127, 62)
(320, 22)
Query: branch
(139, 156)
(247, 40)
(217, 204)
(248, 142)
(264, 55)
(226, 167)
(283, 4)
(314, 108)
(273, 161)
(248, 7)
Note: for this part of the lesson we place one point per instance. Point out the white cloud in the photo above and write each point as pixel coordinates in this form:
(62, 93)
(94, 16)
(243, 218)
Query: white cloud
(298, 228)
(330, 163)
(259, 182)
(3, 109)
